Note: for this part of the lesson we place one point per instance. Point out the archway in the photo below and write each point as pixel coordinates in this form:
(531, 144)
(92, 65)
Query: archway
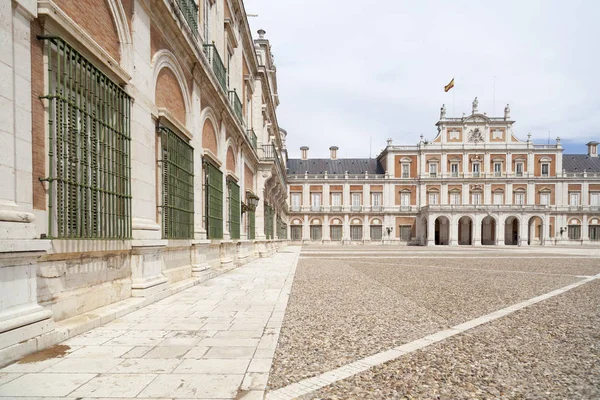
(442, 231)
(465, 231)
(535, 231)
(511, 231)
(488, 231)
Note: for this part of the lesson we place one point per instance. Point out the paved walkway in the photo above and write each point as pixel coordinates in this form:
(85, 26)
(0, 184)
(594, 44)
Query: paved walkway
(213, 341)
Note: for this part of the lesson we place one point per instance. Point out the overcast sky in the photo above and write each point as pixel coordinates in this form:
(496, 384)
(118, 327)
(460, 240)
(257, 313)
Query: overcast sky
(352, 71)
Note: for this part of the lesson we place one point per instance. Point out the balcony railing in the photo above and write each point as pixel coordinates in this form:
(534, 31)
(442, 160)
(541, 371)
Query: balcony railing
(189, 9)
(252, 137)
(269, 153)
(315, 208)
(296, 208)
(355, 208)
(236, 104)
(217, 64)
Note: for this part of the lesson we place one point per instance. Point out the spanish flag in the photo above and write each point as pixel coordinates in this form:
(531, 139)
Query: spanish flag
(449, 86)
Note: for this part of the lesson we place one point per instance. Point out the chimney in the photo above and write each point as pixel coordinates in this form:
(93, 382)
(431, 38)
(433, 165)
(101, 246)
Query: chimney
(333, 151)
(592, 149)
(304, 152)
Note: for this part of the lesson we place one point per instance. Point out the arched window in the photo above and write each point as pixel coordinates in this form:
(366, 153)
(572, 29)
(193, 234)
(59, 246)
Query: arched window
(336, 230)
(316, 229)
(376, 229)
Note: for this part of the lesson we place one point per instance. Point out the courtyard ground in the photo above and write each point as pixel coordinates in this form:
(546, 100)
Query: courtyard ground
(448, 323)
(364, 322)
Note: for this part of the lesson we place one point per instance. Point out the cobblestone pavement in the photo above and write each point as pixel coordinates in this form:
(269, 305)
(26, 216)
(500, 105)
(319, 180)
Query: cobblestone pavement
(347, 308)
(214, 340)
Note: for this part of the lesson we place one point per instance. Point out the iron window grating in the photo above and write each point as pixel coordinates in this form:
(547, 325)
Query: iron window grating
(269, 219)
(89, 188)
(234, 209)
(251, 224)
(214, 201)
(177, 170)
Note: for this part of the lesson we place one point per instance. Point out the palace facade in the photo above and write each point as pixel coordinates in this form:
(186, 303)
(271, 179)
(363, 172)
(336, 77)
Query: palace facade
(140, 153)
(476, 183)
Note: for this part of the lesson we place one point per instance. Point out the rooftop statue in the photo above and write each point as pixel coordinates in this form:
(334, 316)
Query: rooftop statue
(475, 105)
(507, 112)
(443, 112)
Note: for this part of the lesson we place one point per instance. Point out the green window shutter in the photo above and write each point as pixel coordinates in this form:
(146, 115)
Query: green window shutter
(177, 164)
(214, 201)
(251, 225)
(89, 165)
(234, 210)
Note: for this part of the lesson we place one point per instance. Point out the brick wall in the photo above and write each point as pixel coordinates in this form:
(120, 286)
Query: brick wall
(38, 131)
(168, 94)
(209, 139)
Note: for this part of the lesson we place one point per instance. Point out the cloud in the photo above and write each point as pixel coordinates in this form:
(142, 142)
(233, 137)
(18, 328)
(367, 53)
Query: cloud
(353, 70)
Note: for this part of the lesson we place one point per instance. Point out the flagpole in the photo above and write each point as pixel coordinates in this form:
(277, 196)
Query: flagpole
(453, 102)
(494, 99)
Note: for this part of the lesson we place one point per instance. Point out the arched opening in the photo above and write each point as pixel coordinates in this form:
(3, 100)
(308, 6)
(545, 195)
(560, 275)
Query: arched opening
(488, 231)
(535, 231)
(356, 229)
(442, 231)
(336, 230)
(316, 230)
(511, 231)
(465, 231)
(574, 229)
(296, 230)
(376, 229)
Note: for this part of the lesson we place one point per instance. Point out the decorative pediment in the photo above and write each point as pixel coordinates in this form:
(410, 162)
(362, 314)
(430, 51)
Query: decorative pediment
(545, 159)
(476, 118)
(405, 160)
(476, 188)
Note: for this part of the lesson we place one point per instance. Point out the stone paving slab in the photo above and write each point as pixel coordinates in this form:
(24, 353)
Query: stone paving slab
(215, 340)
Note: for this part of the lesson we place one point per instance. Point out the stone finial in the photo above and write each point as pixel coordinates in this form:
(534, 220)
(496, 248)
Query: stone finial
(421, 141)
(261, 33)
(558, 140)
(475, 105)
(389, 141)
(507, 112)
(443, 112)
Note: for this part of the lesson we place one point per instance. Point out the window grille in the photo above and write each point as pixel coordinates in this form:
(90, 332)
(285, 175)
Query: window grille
(177, 164)
(296, 232)
(336, 232)
(234, 210)
(316, 232)
(89, 188)
(356, 232)
(405, 231)
(594, 232)
(269, 221)
(190, 12)
(214, 201)
(251, 216)
(376, 232)
(574, 232)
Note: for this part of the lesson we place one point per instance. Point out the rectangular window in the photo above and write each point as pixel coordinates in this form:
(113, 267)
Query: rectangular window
(574, 232)
(89, 188)
(433, 170)
(595, 199)
(594, 232)
(336, 199)
(544, 199)
(498, 197)
(545, 169)
(315, 201)
(376, 232)
(476, 198)
(433, 198)
(405, 199)
(454, 169)
(476, 169)
(214, 201)
(234, 209)
(405, 232)
(296, 201)
(316, 232)
(519, 198)
(497, 169)
(177, 200)
(406, 170)
(356, 197)
(574, 199)
(356, 232)
(519, 169)
(376, 200)
(336, 232)
(296, 232)
(455, 198)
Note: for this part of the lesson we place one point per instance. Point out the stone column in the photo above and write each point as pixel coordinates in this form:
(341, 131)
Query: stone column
(500, 231)
(366, 229)
(431, 230)
(326, 231)
(476, 230)
(453, 230)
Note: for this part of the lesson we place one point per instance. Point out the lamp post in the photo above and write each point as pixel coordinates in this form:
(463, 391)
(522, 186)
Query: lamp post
(251, 202)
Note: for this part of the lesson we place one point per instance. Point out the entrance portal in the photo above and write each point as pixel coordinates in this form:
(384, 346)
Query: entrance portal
(488, 231)
(511, 231)
(465, 231)
(442, 231)
(536, 231)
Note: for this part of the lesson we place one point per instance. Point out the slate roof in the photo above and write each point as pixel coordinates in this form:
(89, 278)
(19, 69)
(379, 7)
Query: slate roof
(318, 166)
(580, 163)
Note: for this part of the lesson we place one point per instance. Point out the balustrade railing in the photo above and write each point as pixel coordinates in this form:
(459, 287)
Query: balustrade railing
(217, 64)
(236, 104)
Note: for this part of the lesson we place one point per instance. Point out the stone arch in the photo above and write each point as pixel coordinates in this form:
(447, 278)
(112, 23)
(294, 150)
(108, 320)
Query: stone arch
(210, 136)
(376, 221)
(535, 230)
(465, 230)
(316, 221)
(512, 226)
(335, 221)
(230, 159)
(488, 230)
(574, 221)
(168, 75)
(442, 230)
(296, 221)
